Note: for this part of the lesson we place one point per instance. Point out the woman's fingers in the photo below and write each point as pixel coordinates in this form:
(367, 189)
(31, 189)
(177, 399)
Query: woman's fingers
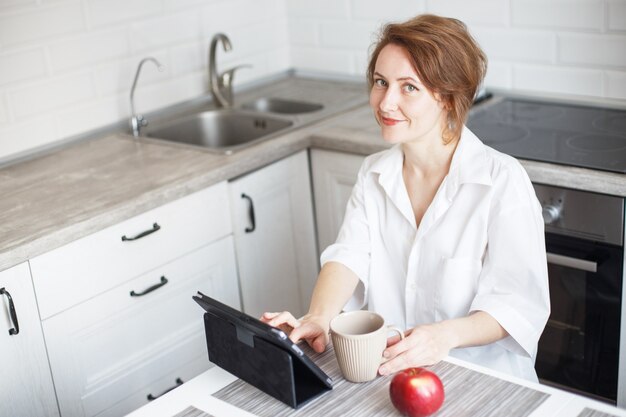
(268, 316)
(279, 319)
(319, 343)
(312, 333)
(396, 346)
(422, 346)
(305, 329)
(393, 340)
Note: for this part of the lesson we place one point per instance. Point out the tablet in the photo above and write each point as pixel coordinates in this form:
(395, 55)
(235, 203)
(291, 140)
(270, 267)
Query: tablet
(260, 354)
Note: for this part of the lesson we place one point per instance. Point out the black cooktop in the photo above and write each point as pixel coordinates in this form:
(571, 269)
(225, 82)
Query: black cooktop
(587, 137)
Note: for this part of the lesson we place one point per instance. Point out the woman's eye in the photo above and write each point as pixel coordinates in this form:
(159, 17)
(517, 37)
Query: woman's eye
(409, 88)
(380, 82)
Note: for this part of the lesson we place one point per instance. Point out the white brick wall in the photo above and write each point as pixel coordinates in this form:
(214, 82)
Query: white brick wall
(572, 47)
(556, 14)
(66, 66)
(617, 15)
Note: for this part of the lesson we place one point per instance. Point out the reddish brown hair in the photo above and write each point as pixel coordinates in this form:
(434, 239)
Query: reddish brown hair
(446, 58)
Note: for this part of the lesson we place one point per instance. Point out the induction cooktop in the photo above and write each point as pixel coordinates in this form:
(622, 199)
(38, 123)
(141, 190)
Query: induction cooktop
(573, 135)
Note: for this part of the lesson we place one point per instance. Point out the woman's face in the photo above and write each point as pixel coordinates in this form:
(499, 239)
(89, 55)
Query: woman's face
(405, 110)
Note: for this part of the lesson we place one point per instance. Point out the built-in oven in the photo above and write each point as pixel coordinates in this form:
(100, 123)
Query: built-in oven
(579, 348)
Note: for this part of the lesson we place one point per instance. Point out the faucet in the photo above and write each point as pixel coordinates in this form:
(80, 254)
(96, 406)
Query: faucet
(221, 85)
(137, 121)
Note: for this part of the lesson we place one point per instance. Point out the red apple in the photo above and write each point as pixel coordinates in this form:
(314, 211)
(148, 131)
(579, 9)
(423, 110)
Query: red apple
(416, 392)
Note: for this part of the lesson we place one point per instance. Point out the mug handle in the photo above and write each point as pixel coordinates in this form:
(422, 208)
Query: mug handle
(392, 328)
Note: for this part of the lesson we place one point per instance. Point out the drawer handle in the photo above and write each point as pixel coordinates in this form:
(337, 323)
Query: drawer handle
(179, 382)
(155, 227)
(16, 329)
(251, 228)
(149, 289)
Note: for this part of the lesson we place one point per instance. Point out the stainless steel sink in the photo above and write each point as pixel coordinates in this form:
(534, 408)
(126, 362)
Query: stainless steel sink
(221, 130)
(278, 105)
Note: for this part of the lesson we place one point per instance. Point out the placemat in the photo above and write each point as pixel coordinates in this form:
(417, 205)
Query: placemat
(192, 411)
(468, 394)
(588, 412)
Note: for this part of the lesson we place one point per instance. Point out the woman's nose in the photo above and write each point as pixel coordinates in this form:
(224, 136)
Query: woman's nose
(389, 101)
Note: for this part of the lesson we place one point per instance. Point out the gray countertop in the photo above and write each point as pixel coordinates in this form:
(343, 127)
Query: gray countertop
(73, 192)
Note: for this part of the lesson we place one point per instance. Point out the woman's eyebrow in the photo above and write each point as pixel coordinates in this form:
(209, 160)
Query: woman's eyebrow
(376, 73)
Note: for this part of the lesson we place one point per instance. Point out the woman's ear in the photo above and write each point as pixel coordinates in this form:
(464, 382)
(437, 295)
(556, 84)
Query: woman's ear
(441, 102)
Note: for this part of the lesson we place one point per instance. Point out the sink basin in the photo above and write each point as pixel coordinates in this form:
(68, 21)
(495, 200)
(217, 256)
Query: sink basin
(278, 105)
(222, 130)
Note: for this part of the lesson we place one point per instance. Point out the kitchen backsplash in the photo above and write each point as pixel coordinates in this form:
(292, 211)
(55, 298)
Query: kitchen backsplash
(66, 66)
(575, 47)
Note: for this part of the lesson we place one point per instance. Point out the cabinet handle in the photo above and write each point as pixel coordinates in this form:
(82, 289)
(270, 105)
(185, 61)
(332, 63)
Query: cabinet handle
(149, 289)
(155, 227)
(179, 382)
(16, 329)
(250, 229)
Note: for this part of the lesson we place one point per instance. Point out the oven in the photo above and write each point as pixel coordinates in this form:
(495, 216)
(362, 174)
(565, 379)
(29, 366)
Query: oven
(579, 348)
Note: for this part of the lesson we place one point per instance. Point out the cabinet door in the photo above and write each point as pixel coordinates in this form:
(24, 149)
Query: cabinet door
(26, 385)
(334, 176)
(117, 348)
(275, 237)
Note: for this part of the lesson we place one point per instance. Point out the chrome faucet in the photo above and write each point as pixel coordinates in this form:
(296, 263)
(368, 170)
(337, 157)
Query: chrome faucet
(137, 121)
(221, 85)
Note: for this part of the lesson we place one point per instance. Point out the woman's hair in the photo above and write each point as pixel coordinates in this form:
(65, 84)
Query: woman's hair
(447, 60)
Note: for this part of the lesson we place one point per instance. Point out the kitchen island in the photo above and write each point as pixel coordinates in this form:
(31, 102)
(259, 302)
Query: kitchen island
(471, 390)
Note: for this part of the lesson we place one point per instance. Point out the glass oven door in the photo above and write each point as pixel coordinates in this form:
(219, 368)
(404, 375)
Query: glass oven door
(579, 348)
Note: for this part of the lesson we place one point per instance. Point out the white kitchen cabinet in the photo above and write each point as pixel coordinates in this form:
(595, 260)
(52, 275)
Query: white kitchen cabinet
(86, 267)
(26, 388)
(334, 176)
(275, 236)
(111, 353)
(117, 314)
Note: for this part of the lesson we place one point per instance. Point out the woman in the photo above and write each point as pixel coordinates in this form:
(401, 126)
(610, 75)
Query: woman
(442, 235)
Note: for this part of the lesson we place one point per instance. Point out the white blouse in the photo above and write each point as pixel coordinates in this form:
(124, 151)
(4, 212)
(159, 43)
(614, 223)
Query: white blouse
(480, 246)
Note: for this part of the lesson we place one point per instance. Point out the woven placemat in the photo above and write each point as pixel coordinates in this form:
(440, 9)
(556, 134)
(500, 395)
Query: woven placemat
(588, 412)
(468, 394)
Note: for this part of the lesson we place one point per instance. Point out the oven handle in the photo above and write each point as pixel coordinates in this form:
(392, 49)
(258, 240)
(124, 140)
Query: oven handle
(574, 263)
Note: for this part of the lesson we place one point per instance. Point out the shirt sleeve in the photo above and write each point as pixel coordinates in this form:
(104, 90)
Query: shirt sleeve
(352, 247)
(513, 285)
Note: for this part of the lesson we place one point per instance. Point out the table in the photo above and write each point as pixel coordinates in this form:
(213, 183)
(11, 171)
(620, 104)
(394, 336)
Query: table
(471, 391)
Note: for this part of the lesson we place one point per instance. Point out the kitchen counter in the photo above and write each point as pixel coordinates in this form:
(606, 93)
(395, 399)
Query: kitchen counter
(471, 391)
(73, 192)
(357, 132)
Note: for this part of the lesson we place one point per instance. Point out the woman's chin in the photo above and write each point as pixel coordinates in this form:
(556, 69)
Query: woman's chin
(391, 139)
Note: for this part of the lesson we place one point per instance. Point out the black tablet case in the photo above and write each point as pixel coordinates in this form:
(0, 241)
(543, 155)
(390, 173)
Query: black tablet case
(273, 369)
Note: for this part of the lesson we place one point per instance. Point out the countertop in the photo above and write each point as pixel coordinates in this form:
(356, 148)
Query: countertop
(470, 390)
(70, 193)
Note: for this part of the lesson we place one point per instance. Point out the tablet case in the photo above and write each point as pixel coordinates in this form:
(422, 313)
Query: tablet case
(260, 355)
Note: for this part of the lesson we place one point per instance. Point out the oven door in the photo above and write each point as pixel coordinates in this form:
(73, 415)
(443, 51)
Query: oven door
(579, 348)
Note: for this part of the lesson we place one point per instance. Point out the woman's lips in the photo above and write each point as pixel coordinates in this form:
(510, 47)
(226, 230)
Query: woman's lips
(389, 122)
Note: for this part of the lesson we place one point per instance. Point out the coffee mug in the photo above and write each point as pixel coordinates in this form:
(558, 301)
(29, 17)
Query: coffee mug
(359, 339)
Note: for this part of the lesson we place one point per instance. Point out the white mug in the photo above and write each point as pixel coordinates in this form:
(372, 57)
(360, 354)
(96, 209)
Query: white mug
(359, 339)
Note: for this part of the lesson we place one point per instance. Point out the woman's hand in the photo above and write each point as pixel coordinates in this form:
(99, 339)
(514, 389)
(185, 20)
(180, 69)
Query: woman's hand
(421, 346)
(313, 329)
(428, 344)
